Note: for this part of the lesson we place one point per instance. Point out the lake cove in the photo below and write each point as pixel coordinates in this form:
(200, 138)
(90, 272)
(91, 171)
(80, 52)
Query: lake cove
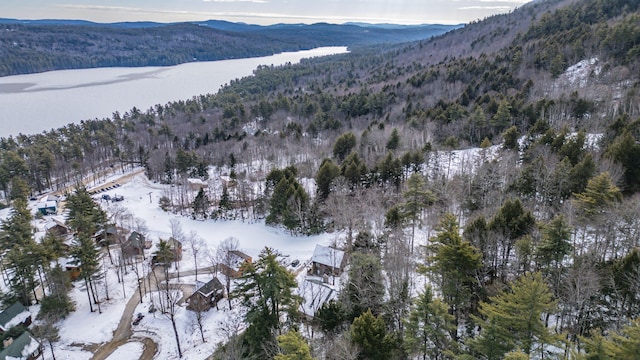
(31, 104)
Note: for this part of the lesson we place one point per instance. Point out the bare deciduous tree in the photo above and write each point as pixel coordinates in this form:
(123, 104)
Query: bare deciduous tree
(341, 348)
(196, 245)
(225, 261)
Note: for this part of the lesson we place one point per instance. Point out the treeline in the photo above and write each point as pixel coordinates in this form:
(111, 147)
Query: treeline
(29, 48)
(37, 48)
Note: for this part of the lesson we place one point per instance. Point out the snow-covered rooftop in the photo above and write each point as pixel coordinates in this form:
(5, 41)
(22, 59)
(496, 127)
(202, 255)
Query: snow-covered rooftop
(327, 256)
(315, 293)
(13, 315)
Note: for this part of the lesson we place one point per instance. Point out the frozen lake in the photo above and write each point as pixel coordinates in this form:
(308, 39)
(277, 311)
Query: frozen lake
(34, 103)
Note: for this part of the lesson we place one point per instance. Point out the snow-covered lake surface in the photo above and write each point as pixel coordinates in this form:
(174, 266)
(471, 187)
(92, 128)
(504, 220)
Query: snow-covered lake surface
(34, 103)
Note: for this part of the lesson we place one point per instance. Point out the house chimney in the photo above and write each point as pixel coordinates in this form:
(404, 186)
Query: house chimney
(8, 341)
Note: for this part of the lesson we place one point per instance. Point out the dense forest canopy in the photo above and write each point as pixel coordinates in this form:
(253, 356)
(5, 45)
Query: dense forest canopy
(532, 247)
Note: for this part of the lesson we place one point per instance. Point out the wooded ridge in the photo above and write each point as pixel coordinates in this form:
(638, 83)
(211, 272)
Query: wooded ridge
(36, 46)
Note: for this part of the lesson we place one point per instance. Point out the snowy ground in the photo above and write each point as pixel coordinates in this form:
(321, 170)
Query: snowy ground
(83, 330)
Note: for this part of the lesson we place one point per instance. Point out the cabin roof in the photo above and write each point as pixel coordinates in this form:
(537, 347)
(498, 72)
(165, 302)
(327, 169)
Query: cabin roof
(21, 347)
(13, 315)
(328, 256)
(210, 287)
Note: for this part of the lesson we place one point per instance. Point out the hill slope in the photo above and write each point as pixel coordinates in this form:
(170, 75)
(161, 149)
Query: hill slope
(35, 46)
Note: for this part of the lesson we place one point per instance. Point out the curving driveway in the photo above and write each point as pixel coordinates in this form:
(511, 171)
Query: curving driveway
(123, 334)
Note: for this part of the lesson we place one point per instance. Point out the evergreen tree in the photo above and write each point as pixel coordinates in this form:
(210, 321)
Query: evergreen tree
(554, 247)
(85, 256)
(512, 320)
(581, 173)
(625, 150)
(331, 316)
(573, 148)
(598, 195)
(622, 345)
(224, 205)
(185, 161)
(412, 161)
(365, 289)
(622, 292)
(57, 303)
(343, 146)
(354, 170)
(53, 246)
(289, 203)
(510, 137)
(516, 355)
(12, 166)
(455, 265)
(164, 255)
(201, 205)
(266, 291)
(293, 347)
(429, 327)
(510, 223)
(19, 189)
(85, 215)
(17, 228)
(394, 141)
(389, 171)
(22, 252)
(169, 168)
(478, 122)
(325, 176)
(596, 347)
(502, 117)
(369, 333)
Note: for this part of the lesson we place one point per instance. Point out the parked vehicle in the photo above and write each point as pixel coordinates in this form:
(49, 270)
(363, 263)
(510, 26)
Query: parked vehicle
(138, 318)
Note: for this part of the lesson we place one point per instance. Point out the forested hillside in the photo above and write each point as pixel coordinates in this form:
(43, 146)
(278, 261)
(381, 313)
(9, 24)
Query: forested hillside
(36, 46)
(530, 247)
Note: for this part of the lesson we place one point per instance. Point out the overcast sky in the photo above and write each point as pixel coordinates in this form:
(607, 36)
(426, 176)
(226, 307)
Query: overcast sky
(261, 11)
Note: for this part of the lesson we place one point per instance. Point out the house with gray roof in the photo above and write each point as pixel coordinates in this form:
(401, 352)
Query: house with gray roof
(135, 245)
(327, 260)
(24, 347)
(14, 315)
(206, 295)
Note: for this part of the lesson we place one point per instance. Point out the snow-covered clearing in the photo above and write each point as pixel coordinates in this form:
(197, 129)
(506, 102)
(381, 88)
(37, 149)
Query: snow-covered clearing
(578, 75)
(252, 236)
(83, 331)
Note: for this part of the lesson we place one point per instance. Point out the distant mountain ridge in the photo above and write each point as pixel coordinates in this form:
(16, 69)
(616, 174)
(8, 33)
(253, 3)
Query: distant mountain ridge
(216, 24)
(30, 46)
